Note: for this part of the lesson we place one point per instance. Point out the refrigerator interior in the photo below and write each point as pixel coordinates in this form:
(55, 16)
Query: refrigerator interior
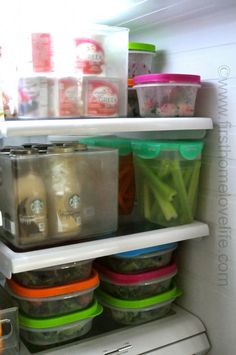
(198, 38)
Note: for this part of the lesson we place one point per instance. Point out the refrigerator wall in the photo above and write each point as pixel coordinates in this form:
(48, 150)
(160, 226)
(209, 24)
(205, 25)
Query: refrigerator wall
(205, 44)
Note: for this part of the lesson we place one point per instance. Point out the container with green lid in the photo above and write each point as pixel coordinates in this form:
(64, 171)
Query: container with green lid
(56, 330)
(167, 176)
(138, 311)
(126, 169)
(140, 58)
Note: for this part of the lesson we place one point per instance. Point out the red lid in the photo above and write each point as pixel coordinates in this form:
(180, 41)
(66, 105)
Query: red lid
(136, 278)
(131, 82)
(167, 78)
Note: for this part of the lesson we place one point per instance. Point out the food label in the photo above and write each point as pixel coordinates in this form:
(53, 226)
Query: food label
(89, 56)
(32, 217)
(69, 99)
(42, 52)
(74, 201)
(102, 99)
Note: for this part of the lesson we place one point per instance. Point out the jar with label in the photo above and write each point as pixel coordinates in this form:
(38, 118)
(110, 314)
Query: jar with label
(31, 197)
(63, 192)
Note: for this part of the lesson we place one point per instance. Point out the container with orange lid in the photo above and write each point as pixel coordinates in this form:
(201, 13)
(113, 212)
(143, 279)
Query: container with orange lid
(133, 107)
(54, 301)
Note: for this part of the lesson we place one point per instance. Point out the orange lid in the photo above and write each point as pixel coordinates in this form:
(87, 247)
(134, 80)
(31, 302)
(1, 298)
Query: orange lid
(130, 82)
(54, 291)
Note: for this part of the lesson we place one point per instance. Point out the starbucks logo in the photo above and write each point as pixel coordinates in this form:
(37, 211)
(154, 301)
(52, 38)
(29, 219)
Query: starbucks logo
(37, 206)
(74, 201)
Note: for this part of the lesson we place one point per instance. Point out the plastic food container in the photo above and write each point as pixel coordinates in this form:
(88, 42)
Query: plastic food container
(141, 311)
(54, 301)
(167, 95)
(9, 328)
(55, 275)
(140, 260)
(167, 176)
(71, 183)
(56, 330)
(126, 168)
(140, 58)
(137, 286)
(133, 107)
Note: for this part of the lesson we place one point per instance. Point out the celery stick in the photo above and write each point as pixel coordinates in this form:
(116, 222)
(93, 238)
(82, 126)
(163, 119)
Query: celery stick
(146, 200)
(185, 213)
(167, 192)
(167, 208)
(187, 173)
(192, 190)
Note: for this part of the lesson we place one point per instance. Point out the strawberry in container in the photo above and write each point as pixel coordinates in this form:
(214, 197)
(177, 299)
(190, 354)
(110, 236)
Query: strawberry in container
(101, 97)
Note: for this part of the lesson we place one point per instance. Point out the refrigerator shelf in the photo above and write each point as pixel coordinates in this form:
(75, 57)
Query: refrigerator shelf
(14, 262)
(94, 126)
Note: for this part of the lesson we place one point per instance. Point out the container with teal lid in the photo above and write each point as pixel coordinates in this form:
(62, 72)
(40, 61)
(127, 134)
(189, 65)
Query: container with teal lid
(50, 331)
(140, 58)
(126, 169)
(141, 260)
(139, 311)
(167, 176)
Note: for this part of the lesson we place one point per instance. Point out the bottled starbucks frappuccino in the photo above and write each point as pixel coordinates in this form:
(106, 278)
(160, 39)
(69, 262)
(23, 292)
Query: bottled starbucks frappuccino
(31, 196)
(63, 192)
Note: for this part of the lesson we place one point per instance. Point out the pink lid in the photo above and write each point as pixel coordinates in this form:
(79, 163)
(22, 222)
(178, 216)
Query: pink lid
(136, 278)
(166, 78)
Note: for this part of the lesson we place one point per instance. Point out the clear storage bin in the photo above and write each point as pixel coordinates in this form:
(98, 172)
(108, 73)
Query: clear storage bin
(51, 331)
(55, 195)
(140, 260)
(167, 95)
(137, 286)
(138, 311)
(54, 301)
(9, 327)
(55, 275)
(167, 176)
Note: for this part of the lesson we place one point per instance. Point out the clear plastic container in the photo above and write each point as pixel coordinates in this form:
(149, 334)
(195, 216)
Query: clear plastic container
(70, 182)
(140, 58)
(167, 95)
(9, 327)
(167, 177)
(140, 260)
(137, 286)
(55, 275)
(50, 331)
(54, 301)
(138, 312)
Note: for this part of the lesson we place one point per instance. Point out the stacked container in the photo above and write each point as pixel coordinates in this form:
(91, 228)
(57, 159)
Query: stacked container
(73, 73)
(138, 286)
(56, 304)
(63, 205)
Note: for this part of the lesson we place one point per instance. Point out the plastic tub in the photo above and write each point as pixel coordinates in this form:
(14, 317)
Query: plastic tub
(140, 260)
(55, 275)
(126, 169)
(167, 176)
(138, 312)
(133, 107)
(140, 58)
(56, 330)
(167, 95)
(54, 301)
(137, 286)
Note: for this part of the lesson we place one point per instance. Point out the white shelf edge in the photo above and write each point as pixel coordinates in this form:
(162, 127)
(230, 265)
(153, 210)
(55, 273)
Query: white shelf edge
(14, 262)
(87, 126)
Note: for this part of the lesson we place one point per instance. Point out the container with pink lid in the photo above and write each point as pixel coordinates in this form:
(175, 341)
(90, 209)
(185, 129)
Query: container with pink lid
(167, 95)
(136, 286)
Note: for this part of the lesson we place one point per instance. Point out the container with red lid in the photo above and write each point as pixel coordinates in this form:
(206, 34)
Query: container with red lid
(54, 301)
(167, 95)
(136, 286)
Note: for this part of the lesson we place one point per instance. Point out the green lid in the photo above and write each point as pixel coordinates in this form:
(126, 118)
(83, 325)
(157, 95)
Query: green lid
(116, 302)
(145, 149)
(90, 312)
(137, 46)
(122, 144)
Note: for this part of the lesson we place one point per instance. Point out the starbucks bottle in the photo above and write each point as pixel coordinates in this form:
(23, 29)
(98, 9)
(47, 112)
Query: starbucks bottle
(64, 192)
(31, 197)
